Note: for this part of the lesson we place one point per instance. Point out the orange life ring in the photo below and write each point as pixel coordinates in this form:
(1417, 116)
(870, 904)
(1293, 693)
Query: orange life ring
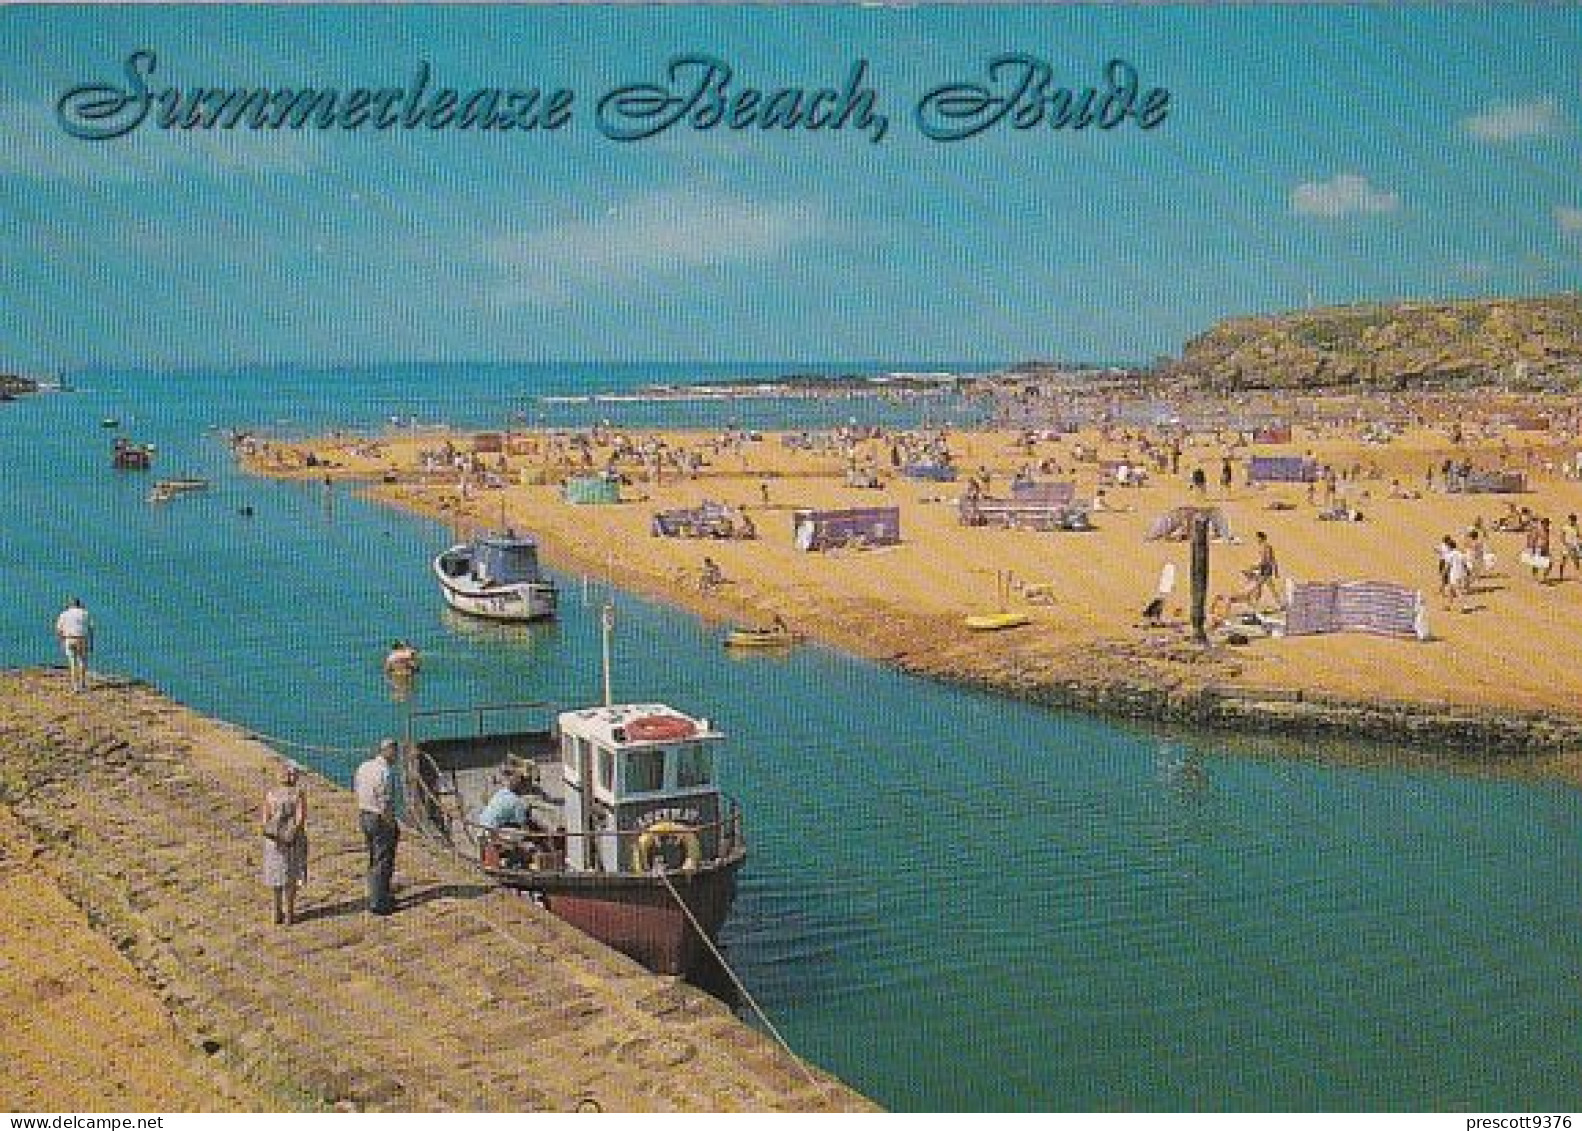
(653, 728)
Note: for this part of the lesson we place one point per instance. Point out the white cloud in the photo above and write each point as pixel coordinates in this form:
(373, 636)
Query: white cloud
(646, 239)
(37, 148)
(1512, 121)
(1344, 195)
(1569, 218)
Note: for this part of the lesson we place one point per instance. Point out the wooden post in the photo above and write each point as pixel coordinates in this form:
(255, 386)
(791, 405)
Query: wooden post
(1200, 578)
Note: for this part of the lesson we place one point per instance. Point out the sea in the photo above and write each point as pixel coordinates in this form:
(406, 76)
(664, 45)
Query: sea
(955, 901)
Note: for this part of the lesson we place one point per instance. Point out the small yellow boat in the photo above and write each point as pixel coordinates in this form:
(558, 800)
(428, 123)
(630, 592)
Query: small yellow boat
(761, 638)
(994, 622)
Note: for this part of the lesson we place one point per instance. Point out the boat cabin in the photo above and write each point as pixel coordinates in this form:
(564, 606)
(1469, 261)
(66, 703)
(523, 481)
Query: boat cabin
(496, 560)
(612, 790)
(631, 769)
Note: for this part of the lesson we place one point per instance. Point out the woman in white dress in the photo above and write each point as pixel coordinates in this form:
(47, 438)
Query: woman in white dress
(285, 827)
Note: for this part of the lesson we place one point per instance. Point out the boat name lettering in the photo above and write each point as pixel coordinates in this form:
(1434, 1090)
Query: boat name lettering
(677, 814)
(1018, 95)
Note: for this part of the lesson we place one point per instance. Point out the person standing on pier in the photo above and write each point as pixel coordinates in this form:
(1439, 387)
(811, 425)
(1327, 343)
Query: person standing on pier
(376, 814)
(285, 818)
(74, 629)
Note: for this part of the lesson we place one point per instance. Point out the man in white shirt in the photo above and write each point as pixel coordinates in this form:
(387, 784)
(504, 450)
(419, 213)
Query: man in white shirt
(375, 792)
(75, 632)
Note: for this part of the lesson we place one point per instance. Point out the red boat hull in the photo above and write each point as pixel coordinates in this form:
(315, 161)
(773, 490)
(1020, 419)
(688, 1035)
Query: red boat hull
(639, 916)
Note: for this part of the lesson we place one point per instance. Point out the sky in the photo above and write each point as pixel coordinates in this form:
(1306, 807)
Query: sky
(1310, 155)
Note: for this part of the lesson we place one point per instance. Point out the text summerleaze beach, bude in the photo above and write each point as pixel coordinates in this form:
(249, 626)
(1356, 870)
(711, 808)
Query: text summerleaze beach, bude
(699, 92)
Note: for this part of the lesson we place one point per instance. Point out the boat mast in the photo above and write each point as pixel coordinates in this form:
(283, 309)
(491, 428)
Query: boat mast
(607, 627)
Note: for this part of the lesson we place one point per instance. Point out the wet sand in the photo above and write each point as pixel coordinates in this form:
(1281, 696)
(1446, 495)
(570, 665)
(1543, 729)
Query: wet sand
(1500, 674)
(140, 969)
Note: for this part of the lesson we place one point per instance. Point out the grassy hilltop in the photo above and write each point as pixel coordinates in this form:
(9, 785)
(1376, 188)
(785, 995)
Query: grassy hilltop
(1519, 342)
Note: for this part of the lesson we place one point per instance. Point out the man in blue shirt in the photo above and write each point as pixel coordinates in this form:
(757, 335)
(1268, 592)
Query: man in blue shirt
(506, 809)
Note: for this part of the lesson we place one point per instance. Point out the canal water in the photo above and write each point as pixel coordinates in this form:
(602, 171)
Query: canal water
(954, 901)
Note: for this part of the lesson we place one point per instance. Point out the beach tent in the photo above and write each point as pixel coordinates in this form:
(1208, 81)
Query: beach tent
(933, 472)
(710, 520)
(587, 489)
(1487, 483)
(859, 526)
(1176, 524)
(1377, 607)
(1024, 515)
(1051, 494)
(1282, 469)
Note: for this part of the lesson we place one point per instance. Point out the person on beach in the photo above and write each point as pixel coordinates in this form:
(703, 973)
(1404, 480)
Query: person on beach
(1263, 575)
(74, 630)
(1455, 574)
(285, 826)
(1477, 552)
(1570, 548)
(1537, 554)
(375, 792)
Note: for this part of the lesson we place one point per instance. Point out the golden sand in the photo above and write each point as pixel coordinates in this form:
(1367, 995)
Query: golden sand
(1511, 648)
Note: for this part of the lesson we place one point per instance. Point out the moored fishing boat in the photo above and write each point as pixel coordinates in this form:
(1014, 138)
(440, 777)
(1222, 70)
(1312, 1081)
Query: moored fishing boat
(127, 456)
(628, 836)
(497, 577)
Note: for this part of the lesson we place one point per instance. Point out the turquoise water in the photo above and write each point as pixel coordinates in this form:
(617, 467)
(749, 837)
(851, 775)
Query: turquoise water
(955, 901)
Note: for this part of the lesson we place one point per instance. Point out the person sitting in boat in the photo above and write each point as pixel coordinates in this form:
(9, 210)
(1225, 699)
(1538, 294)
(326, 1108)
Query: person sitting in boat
(403, 660)
(507, 809)
(779, 625)
(507, 812)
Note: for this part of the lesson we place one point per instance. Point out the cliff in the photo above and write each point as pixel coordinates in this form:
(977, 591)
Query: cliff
(1521, 343)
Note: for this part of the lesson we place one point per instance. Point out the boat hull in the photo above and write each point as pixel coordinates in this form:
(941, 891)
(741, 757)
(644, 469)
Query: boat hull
(747, 638)
(638, 915)
(466, 590)
(502, 602)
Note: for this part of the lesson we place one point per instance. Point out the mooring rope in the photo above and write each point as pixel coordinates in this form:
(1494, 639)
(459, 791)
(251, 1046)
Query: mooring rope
(449, 851)
(737, 982)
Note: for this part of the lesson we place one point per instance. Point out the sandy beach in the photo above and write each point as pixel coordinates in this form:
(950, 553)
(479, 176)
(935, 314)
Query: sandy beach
(1504, 655)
